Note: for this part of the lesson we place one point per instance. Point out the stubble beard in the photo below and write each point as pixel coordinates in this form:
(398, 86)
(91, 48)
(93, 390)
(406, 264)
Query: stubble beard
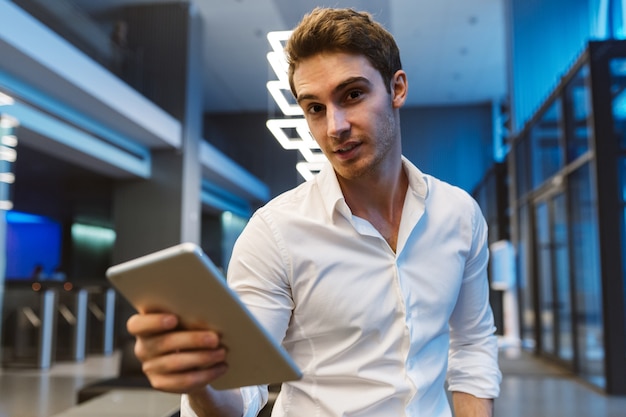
(372, 167)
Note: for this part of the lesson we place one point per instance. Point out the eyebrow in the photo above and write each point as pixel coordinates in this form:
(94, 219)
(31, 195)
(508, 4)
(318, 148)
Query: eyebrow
(338, 88)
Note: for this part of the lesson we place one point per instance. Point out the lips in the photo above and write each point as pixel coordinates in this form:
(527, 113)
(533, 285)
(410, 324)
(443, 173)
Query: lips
(346, 148)
(347, 151)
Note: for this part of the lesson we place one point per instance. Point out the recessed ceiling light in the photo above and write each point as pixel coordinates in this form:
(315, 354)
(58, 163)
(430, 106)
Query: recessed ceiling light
(5, 99)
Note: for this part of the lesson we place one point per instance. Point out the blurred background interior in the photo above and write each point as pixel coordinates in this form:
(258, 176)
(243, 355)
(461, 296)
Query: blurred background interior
(128, 126)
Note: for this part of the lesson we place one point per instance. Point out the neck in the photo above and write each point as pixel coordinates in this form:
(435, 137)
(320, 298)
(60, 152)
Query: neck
(379, 200)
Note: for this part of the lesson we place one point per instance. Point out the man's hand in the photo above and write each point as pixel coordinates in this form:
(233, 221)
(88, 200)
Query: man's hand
(467, 405)
(174, 360)
(184, 361)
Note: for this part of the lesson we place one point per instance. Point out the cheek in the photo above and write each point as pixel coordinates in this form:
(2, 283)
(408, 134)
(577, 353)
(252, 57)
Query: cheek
(318, 132)
(386, 127)
(324, 146)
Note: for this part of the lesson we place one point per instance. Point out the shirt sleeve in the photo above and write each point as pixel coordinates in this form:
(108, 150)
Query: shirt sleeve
(257, 273)
(473, 357)
(254, 398)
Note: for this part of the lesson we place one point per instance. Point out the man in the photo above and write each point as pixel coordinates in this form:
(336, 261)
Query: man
(373, 275)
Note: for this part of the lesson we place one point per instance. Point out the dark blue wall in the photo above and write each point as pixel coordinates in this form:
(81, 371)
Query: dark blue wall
(452, 143)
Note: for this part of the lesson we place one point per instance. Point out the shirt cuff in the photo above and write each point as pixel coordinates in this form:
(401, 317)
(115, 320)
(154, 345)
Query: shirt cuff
(185, 408)
(254, 398)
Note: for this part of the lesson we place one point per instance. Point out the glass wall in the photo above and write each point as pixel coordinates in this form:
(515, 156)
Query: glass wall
(546, 147)
(492, 197)
(553, 275)
(544, 274)
(521, 175)
(586, 274)
(525, 279)
(568, 167)
(563, 287)
(622, 175)
(578, 107)
(618, 90)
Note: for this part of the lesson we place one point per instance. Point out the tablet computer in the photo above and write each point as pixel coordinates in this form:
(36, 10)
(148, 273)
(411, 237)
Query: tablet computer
(182, 280)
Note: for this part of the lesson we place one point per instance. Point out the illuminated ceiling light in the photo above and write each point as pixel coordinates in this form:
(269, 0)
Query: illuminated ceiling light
(7, 154)
(308, 169)
(278, 62)
(313, 157)
(6, 100)
(7, 177)
(277, 39)
(277, 89)
(280, 90)
(8, 122)
(304, 139)
(87, 232)
(9, 140)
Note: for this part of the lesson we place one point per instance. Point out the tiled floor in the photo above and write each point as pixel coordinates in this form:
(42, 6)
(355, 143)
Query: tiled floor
(530, 388)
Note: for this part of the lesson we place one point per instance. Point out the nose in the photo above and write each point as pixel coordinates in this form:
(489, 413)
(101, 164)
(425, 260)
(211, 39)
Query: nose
(337, 121)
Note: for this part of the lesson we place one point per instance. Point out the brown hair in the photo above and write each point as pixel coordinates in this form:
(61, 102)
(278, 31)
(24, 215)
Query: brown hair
(343, 30)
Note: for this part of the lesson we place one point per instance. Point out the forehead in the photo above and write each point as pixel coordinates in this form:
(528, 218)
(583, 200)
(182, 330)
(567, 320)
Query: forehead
(327, 70)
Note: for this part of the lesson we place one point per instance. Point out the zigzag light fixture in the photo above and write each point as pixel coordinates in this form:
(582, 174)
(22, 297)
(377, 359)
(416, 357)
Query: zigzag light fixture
(8, 153)
(284, 129)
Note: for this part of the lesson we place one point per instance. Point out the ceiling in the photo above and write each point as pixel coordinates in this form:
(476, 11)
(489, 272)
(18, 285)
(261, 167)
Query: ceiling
(452, 50)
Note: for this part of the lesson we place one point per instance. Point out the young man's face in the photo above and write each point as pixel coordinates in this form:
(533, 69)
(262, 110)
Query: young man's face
(350, 113)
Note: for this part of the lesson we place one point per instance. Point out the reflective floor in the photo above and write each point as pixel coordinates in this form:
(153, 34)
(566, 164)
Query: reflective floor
(32, 393)
(530, 388)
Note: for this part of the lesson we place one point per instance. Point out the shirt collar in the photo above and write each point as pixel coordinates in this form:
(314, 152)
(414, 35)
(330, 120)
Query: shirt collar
(333, 198)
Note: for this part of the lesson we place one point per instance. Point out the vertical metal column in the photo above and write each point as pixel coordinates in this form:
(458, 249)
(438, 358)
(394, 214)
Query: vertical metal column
(608, 153)
(80, 331)
(48, 312)
(109, 321)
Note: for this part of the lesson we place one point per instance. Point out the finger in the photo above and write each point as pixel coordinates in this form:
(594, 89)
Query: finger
(148, 347)
(148, 324)
(186, 361)
(187, 381)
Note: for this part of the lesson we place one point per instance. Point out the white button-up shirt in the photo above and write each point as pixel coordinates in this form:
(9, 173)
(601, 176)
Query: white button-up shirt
(374, 331)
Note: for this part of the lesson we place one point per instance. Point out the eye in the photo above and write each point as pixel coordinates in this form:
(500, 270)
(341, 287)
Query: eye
(314, 108)
(354, 95)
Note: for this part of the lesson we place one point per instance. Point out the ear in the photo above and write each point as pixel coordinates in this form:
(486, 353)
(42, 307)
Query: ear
(399, 89)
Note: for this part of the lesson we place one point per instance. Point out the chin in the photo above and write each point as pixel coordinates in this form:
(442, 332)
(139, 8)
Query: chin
(353, 173)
